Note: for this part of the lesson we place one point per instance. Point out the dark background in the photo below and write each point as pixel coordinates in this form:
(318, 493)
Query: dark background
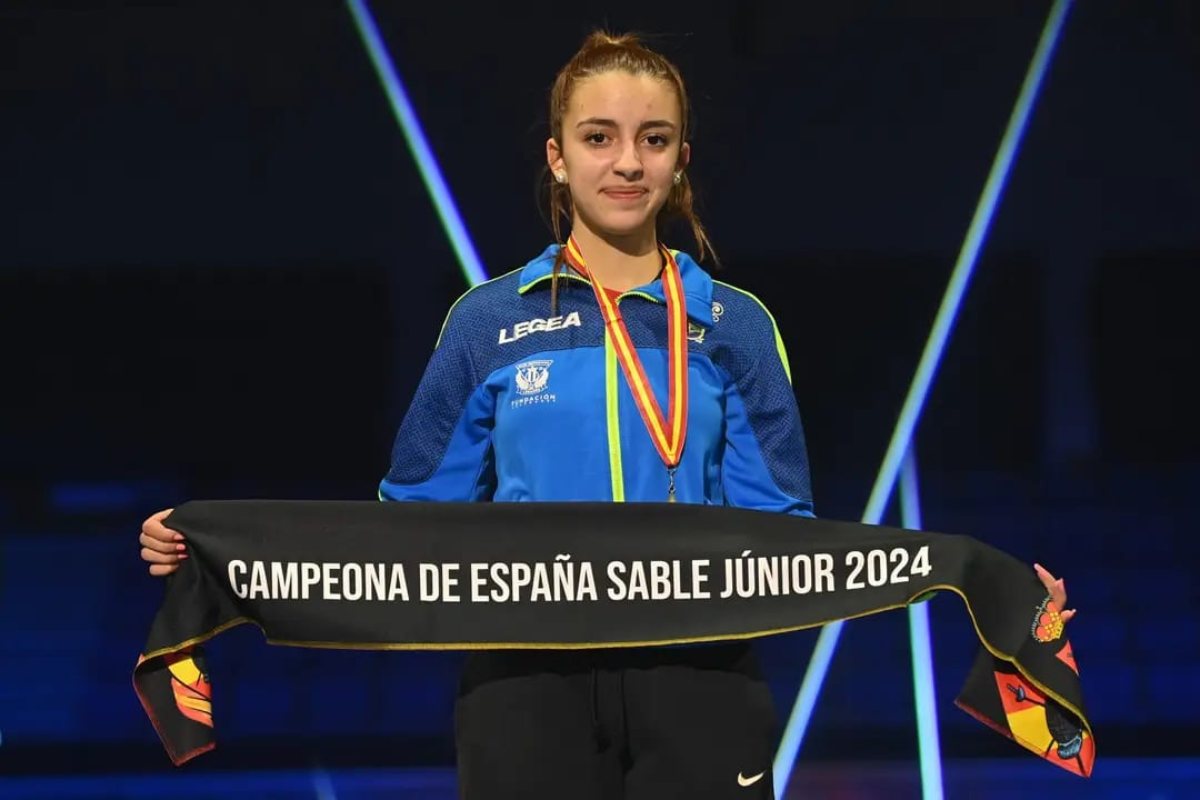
(221, 275)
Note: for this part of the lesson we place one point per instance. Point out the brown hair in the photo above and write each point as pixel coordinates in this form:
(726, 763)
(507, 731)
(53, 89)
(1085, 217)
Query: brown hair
(603, 52)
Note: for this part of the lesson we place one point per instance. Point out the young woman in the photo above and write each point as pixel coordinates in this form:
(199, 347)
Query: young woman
(608, 368)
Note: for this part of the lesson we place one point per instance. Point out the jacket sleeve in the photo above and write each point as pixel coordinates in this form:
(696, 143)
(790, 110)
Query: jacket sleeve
(765, 464)
(442, 450)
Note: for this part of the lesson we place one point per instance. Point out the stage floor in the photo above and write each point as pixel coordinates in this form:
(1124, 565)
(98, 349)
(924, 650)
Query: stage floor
(1126, 779)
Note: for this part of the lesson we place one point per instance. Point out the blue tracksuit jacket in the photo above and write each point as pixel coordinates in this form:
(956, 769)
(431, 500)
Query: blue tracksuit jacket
(516, 405)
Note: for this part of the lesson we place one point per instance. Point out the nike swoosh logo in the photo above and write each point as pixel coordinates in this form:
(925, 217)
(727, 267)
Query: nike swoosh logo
(753, 779)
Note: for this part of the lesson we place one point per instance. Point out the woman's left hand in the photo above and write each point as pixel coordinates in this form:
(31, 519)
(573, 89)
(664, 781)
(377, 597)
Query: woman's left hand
(1057, 589)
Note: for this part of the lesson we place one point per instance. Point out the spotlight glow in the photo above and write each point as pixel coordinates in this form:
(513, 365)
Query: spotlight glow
(885, 481)
(435, 184)
(922, 648)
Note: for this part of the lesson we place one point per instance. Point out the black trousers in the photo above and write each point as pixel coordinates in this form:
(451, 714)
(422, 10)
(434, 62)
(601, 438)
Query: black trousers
(623, 724)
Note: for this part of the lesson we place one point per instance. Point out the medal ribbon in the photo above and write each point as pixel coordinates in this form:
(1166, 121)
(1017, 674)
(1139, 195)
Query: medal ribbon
(668, 434)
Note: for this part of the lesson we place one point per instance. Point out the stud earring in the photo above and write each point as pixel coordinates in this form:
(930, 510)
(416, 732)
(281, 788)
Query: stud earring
(561, 177)
(678, 177)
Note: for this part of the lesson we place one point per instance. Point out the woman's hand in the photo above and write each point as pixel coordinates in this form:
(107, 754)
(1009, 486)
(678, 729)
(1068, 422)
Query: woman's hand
(1057, 589)
(162, 547)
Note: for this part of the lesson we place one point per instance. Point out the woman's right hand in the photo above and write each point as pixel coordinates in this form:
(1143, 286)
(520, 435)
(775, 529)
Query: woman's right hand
(162, 547)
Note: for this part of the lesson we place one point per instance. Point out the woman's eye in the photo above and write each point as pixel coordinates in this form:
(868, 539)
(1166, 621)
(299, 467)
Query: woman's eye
(596, 138)
(656, 140)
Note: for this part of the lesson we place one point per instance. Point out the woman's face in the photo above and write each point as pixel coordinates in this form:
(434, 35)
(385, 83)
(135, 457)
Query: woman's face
(620, 151)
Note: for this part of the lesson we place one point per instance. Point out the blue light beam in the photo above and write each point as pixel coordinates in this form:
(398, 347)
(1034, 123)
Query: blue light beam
(435, 184)
(323, 784)
(935, 347)
(921, 646)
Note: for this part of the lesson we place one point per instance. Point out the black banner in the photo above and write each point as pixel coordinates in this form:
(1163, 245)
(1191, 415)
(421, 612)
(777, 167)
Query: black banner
(438, 576)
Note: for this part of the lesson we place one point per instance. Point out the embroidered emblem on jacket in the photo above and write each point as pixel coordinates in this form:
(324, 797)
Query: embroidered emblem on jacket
(532, 378)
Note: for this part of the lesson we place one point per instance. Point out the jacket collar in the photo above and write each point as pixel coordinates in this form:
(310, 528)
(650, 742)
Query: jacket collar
(697, 285)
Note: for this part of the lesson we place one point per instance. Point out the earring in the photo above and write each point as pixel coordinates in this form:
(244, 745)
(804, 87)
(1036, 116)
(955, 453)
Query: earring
(678, 177)
(561, 177)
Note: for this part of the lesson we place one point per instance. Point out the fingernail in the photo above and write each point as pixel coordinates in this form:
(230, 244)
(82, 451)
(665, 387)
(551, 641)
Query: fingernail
(182, 556)
(179, 537)
(181, 547)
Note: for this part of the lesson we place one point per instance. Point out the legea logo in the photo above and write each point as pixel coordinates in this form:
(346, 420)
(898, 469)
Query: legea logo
(523, 329)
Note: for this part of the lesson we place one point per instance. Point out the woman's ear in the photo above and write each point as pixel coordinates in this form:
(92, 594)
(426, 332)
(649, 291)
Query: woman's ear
(685, 156)
(554, 160)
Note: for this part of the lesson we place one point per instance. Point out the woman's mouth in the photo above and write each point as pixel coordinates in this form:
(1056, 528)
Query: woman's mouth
(625, 194)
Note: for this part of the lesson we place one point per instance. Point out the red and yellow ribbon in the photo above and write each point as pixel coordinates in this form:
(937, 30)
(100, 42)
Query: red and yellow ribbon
(668, 433)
